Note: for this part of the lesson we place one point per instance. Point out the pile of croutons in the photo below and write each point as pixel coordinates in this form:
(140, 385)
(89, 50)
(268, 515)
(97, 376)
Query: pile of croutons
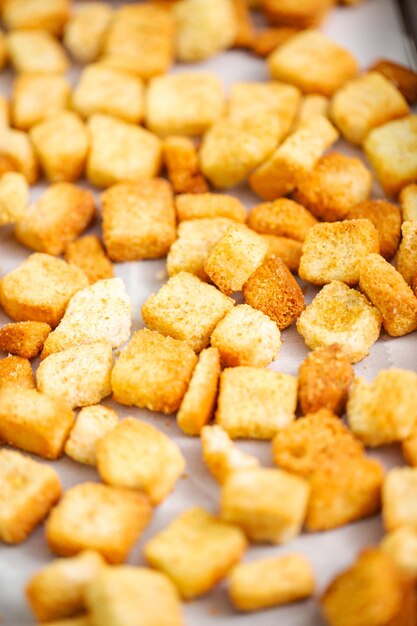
(203, 354)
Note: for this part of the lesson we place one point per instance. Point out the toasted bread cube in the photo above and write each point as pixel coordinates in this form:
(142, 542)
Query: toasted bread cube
(271, 582)
(4, 53)
(195, 551)
(384, 410)
(16, 370)
(386, 217)
(266, 40)
(93, 422)
(14, 197)
(255, 403)
(408, 203)
(107, 164)
(4, 104)
(312, 105)
(17, 154)
(399, 75)
(401, 546)
(36, 51)
(244, 27)
(288, 250)
(234, 258)
(28, 490)
(194, 206)
(340, 315)
(197, 406)
(366, 103)
(299, 15)
(407, 252)
(335, 251)
(83, 620)
(36, 97)
(398, 498)
(187, 309)
(221, 455)
(268, 504)
(392, 151)
(283, 218)
(273, 290)
(50, 15)
(181, 161)
(409, 447)
(58, 589)
(153, 372)
(85, 31)
(293, 159)
(25, 339)
(40, 289)
(88, 254)
(92, 516)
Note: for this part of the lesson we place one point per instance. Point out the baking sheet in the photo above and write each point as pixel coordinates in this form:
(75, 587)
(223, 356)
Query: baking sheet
(371, 30)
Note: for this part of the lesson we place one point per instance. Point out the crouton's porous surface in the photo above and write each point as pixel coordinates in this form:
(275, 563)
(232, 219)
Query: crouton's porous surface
(88, 254)
(25, 339)
(386, 217)
(286, 249)
(398, 498)
(180, 158)
(407, 252)
(283, 218)
(16, 370)
(93, 422)
(408, 203)
(193, 206)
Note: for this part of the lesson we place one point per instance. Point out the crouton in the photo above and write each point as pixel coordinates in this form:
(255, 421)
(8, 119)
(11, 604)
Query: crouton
(14, 197)
(153, 372)
(88, 254)
(288, 250)
(409, 447)
(4, 106)
(401, 546)
(340, 315)
(407, 252)
(40, 288)
(36, 51)
(93, 422)
(244, 27)
(86, 29)
(49, 15)
(195, 551)
(17, 154)
(312, 105)
(266, 40)
(193, 206)
(92, 516)
(292, 13)
(408, 203)
(28, 490)
(283, 218)
(181, 161)
(36, 97)
(25, 339)
(83, 620)
(16, 370)
(221, 455)
(254, 402)
(398, 498)
(399, 75)
(4, 53)
(386, 217)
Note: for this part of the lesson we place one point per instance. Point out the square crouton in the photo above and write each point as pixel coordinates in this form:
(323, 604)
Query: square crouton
(137, 455)
(183, 104)
(93, 422)
(199, 400)
(14, 197)
(233, 147)
(61, 142)
(28, 490)
(86, 29)
(273, 290)
(298, 15)
(17, 154)
(282, 218)
(312, 105)
(36, 97)
(401, 546)
(399, 75)
(384, 410)
(221, 455)
(337, 183)
(399, 498)
(15, 370)
(138, 220)
(56, 218)
(153, 372)
(195, 551)
(392, 151)
(366, 103)
(92, 516)
(58, 589)
(340, 315)
(25, 339)
(235, 257)
(246, 336)
(187, 309)
(386, 217)
(268, 504)
(34, 422)
(293, 159)
(335, 251)
(266, 40)
(408, 203)
(407, 252)
(36, 51)
(194, 206)
(271, 582)
(255, 403)
(286, 249)
(244, 26)
(324, 378)
(49, 15)
(102, 89)
(40, 289)
(88, 254)
(329, 65)
(108, 163)
(181, 161)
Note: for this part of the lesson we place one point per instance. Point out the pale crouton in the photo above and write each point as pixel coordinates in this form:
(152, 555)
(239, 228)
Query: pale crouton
(50, 15)
(193, 206)
(399, 498)
(92, 516)
(312, 105)
(195, 551)
(93, 422)
(40, 288)
(187, 309)
(108, 164)
(399, 75)
(153, 372)
(34, 422)
(85, 31)
(283, 218)
(384, 410)
(181, 161)
(408, 203)
(255, 403)
(288, 250)
(266, 40)
(221, 455)
(401, 546)
(25, 339)
(386, 217)
(268, 504)
(58, 589)
(198, 403)
(17, 154)
(88, 254)
(36, 51)
(335, 251)
(273, 290)
(366, 103)
(340, 315)
(28, 490)
(407, 252)
(36, 97)
(271, 582)
(298, 15)
(244, 26)
(16, 370)
(14, 197)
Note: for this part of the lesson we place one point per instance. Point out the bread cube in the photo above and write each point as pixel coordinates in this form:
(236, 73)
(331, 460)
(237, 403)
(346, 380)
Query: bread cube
(195, 551)
(244, 27)
(401, 546)
(392, 151)
(193, 206)
(364, 103)
(273, 290)
(288, 250)
(107, 164)
(14, 197)
(25, 339)
(28, 490)
(92, 516)
(153, 372)
(221, 455)
(15, 370)
(36, 51)
(4, 102)
(88, 254)
(386, 217)
(93, 422)
(398, 498)
(312, 105)
(49, 15)
(83, 620)
(17, 154)
(268, 504)
(234, 258)
(58, 589)
(36, 97)
(340, 315)
(138, 220)
(198, 403)
(86, 29)
(34, 422)
(404, 78)
(384, 410)
(255, 403)
(298, 15)
(266, 40)
(408, 203)
(187, 309)
(283, 218)
(181, 161)
(407, 252)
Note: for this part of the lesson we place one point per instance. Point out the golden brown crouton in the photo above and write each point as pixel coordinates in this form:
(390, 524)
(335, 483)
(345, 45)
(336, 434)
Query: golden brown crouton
(221, 455)
(312, 105)
(266, 40)
(299, 15)
(401, 546)
(386, 217)
(4, 106)
(409, 447)
(4, 54)
(181, 161)
(244, 27)
(93, 422)
(83, 620)
(408, 203)
(36, 51)
(398, 497)
(401, 76)
(15, 370)
(88, 254)
(85, 31)
(17, 154)
(200, 205)
(288, 250)
(25, 339)
(37, 96)
(407, 252)
(14, 197)
(50, 15)
(283, 218)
